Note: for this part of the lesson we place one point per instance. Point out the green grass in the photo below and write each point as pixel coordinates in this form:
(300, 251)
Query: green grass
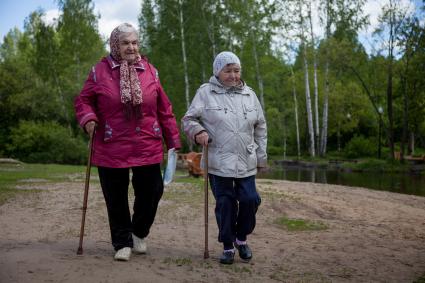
(177, 261)
(300, 224)
(13, 174)
(188, 179)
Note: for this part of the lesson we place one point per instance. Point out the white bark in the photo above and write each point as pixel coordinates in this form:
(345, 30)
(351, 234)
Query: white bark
(186, 76)
(324, 132)
(316, 88)
(258, 73)
(211, 25)
(308, 105)
(307, 86)
(297, 129)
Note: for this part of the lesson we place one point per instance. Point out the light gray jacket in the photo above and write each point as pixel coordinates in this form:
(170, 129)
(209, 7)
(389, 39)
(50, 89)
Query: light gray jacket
(234, 120)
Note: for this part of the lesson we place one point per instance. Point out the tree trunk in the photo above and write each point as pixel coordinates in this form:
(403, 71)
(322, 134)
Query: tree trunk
(186, 76)
(311, 146)
(324, 132)
(308, 105)
(390, 85)
(297, 129)
(258, 73)
(316, 88)
(405, 131)
(211, 25)
(412, 143)
(405, 122)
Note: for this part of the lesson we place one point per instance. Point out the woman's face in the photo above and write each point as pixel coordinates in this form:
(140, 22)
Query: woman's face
(230, 75)
(129, 47)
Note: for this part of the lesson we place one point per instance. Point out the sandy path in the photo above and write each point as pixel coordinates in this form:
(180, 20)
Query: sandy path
(372, 236)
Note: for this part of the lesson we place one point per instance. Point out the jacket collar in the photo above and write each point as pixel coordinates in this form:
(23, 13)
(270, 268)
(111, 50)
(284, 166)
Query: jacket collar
(115, 64)
(218, 88)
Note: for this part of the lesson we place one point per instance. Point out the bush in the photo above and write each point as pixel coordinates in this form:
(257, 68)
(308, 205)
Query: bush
(360, 146)
(46, 142)
(274, 150)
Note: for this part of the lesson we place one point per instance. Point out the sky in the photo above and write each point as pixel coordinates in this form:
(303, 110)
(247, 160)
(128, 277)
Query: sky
(114, 12)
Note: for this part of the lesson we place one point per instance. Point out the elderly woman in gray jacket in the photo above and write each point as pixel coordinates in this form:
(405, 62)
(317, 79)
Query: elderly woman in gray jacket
(227, 112)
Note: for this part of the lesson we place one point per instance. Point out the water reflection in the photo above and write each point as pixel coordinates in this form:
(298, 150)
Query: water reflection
(412, 184)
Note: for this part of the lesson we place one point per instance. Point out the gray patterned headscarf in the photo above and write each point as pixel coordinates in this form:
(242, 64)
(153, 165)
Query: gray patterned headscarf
(130, 91)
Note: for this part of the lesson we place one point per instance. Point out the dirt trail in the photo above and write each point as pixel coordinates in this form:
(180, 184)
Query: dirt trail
(371, 236)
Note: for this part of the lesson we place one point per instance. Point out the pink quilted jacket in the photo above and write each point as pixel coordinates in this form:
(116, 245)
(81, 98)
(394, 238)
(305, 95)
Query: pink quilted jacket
(120, 142)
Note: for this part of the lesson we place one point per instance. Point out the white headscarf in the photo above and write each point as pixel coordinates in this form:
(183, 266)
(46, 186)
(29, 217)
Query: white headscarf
(224, 58)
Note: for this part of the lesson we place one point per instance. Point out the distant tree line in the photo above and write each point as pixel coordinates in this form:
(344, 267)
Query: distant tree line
(321, 91)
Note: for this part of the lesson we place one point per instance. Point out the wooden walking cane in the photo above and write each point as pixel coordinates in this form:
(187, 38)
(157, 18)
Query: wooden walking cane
(206, 253)
(86, 194)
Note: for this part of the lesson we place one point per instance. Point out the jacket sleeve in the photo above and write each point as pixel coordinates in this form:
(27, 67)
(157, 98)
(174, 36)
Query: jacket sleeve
(167, 120)
(191, 121)
(85, 102)
(260, 136)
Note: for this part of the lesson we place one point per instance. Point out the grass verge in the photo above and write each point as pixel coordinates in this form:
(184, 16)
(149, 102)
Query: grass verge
(12, 175)
(300, 224)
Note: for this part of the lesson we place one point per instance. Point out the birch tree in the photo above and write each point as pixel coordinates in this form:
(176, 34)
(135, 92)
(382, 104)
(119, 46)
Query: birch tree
(346, 17)
(316, 87)
(303, 48)
(254, 33)
(324, 132)
(297, 130)
(183, 45)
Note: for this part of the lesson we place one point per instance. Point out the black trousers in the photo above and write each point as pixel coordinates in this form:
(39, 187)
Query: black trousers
(148, 188)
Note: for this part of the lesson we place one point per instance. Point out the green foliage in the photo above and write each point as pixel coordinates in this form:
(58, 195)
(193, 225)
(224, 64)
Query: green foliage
(360, 146)
(43, 67)
(275, 150)
(45, 142)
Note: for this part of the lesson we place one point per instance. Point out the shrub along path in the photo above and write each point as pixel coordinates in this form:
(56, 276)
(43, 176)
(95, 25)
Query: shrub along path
(305, 233)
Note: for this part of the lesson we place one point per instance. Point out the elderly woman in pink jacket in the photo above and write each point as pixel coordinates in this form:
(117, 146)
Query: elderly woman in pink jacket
(124, 100)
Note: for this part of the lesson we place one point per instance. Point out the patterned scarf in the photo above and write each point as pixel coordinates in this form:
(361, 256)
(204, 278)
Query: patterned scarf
(130, 91)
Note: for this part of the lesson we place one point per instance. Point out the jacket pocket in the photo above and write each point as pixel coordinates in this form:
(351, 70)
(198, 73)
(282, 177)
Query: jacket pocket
(250, 113)
(212, 110)
(112, 131)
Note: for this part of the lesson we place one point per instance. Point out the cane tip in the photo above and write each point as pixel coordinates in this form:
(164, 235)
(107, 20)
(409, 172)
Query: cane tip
(80, 251)
(206, 255)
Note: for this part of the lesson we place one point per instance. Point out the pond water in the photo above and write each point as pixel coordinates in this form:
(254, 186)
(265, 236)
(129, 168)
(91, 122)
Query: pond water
(412, 184)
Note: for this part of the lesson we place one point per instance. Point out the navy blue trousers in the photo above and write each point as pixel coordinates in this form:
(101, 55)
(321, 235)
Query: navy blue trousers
(237, 202)
(148, 189)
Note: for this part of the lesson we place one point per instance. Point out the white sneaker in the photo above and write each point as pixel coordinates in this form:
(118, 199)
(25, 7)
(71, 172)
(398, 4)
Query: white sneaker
(139, 245)
(123, 254)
